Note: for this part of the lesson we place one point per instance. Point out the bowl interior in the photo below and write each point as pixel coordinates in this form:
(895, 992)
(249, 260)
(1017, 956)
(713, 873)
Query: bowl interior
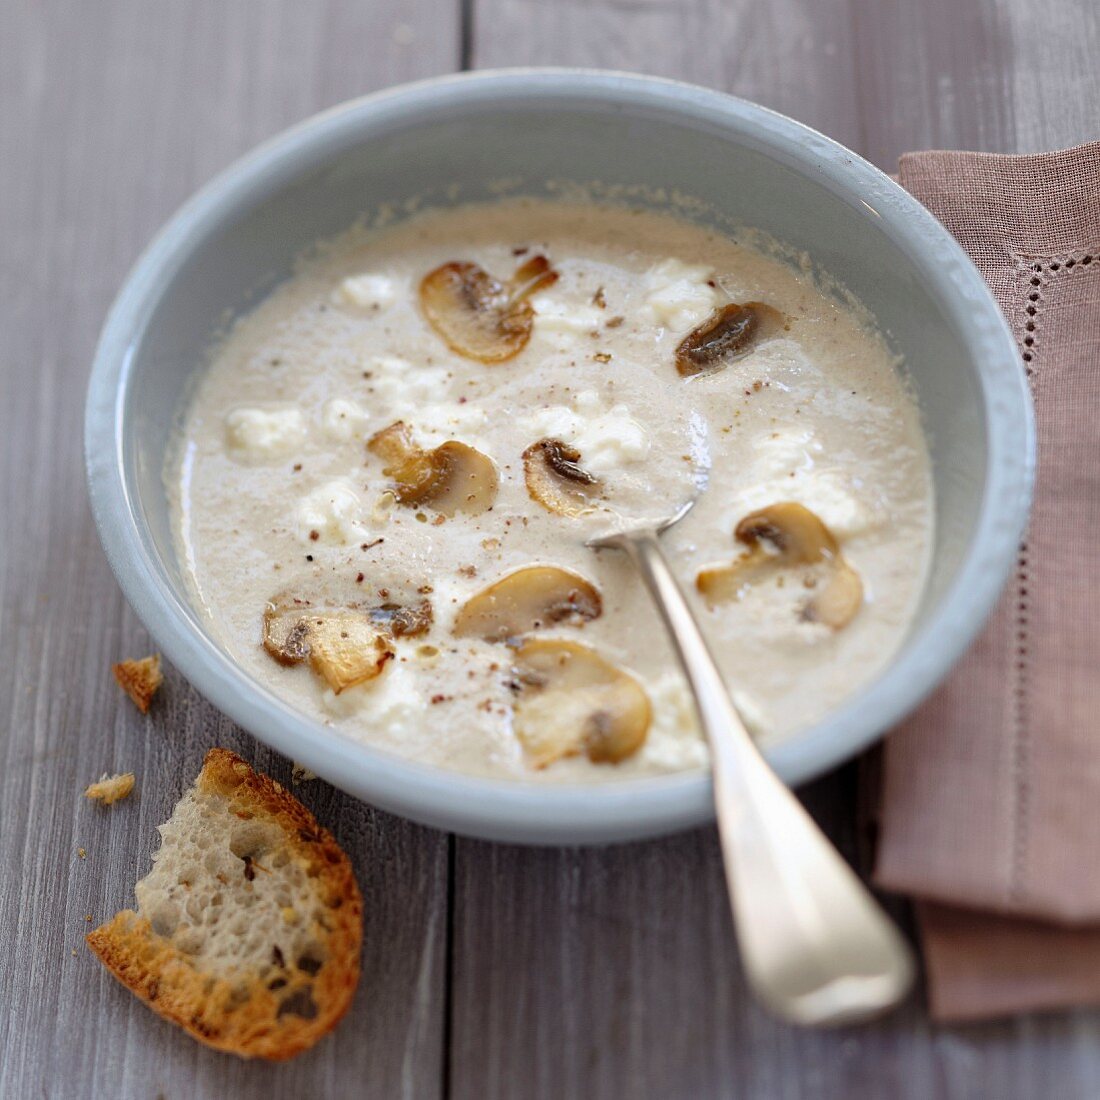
(742, 162)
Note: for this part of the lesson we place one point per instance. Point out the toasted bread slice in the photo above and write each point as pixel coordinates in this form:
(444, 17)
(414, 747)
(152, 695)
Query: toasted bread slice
(248, 926)
(140, 679)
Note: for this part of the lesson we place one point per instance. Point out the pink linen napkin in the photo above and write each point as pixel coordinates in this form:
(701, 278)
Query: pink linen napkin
(990, 810)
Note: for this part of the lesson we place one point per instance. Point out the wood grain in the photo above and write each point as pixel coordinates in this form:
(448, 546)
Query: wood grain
(113, 113)
(792, 55)
(598, 973)
(606, 973)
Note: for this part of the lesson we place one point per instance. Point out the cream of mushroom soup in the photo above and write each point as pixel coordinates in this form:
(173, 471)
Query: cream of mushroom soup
(385, 478)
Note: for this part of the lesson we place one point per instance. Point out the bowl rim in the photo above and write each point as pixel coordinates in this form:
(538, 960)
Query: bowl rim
(511, 810)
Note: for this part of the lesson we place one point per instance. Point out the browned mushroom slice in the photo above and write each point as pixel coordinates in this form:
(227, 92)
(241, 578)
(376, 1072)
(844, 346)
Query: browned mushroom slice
(286, 628)
(286, 633)
(727, 334)
(345, 647)
(408, 464)
(838, 599)
(477, 315)
(528, 599)
(450, 478)
(788, 534)
(571, 700)
(394, 445)
(556, 480)
(403, 621)
(462, 480)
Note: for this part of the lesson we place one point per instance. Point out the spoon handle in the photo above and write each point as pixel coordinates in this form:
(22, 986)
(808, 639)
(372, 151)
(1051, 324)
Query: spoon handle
(815, 944)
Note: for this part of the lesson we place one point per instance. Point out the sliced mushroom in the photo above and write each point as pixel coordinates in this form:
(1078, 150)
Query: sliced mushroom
(403, 621)
(528, 599)
(286, 633)
(394, 445)
(450, 478)
(460, 479)
(556, 480)
(477, 315)
(727, 334)
(839, 599)
(345, 647)
(571, 700)
(788, 534)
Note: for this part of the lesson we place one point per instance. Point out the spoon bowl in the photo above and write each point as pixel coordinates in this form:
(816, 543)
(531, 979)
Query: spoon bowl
(638, 528)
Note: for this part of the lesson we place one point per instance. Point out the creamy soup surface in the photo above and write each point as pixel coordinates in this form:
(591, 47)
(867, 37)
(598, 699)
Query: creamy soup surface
(283, 507)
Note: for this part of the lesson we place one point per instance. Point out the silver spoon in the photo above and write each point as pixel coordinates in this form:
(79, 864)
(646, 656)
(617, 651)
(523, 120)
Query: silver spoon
(815, 944)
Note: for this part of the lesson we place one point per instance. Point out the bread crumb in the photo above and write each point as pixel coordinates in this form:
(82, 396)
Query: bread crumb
(139, 679)
(110, 789)
(299, 773)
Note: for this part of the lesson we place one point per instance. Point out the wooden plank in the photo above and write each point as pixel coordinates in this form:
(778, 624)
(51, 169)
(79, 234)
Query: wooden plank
(792, 55)
(112, 114)
(611, 972)
(996, 75)
(933, 75)
(1054, 82)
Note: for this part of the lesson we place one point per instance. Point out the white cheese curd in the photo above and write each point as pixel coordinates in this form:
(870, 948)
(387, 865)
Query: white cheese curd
(552, 422)
(367, 291)
(678, 296)
(607, 439)
(675, 740)
(418, 394)
(393, 696)
(611, 440)
(451, 420)
(792, 464)
(334, 511)
(448, 595)
(563, 321)
(259, 434)
(752, 713)
(403, 386)
(814, 412)
(824, 493)
(343, 419)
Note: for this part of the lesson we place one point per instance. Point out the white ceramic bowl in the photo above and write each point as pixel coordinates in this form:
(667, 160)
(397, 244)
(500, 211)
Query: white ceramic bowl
(239, 235)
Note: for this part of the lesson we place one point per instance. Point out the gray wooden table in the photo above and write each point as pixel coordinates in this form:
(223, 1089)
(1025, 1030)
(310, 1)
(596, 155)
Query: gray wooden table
(488, 971)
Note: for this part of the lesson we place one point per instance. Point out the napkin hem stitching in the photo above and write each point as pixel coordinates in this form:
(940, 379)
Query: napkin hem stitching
(1040, 272)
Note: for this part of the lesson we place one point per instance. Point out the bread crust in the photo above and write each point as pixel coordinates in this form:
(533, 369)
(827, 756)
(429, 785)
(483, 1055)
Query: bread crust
(241, 1013)
(139, 679)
